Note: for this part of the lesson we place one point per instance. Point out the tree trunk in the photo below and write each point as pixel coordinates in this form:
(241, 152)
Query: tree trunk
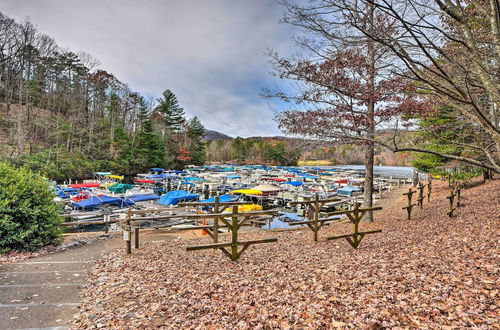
(368, 194)
(370, 114)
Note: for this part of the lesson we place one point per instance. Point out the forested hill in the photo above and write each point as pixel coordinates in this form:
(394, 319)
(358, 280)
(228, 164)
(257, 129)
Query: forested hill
(289, 151)
(64, 115)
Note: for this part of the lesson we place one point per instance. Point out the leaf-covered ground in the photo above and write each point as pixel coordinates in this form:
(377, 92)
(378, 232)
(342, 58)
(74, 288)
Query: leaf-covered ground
(429, 272)
(71, 240)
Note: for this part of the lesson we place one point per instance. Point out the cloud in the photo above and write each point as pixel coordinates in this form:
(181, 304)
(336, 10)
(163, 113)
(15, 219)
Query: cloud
(209, 53)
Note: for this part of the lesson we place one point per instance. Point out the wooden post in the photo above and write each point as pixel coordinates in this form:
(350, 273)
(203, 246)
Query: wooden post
(429, 189)
(316, 217)
(128, 232)
(410, 206)
(451, 198)
(458, 192)
(420, 199)
(216, 220)
(136, 237)
(234, 234)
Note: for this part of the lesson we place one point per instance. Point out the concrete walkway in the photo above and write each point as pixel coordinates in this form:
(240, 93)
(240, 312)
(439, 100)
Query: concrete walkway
(43, 292)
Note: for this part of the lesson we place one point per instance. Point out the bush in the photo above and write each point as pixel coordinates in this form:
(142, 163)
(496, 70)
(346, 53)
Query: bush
(29, 217)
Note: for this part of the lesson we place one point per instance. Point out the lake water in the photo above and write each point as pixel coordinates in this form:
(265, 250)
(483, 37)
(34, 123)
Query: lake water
(397, 172)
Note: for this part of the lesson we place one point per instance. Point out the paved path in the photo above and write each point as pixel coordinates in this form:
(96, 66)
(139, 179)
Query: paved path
(43, 292)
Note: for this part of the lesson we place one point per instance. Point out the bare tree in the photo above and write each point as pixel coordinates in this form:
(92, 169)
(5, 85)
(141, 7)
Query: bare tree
(451, 49)
(345, 89)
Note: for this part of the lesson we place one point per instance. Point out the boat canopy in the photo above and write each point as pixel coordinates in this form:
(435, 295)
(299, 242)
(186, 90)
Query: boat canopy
(244, 208)
(144, 181)
(306, 176)
(95, 201)
(247, 192)
(178, 172)
(120, 187)
(347, 191)
(266, 188)
(274, 179)
(175, 196)
(142, 197)
(161, 176)
(188, 183)
(233, 176)
(222, 199)
(112, 176)
(294, 183)
(85, 185)
(102, 173)
(193, 178)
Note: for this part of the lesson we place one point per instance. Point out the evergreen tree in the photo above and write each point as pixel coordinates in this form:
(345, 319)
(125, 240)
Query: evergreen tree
(173, 114)
(195, 133)
(440, 132)
(173, 123)
(240, 149)
(150, 150)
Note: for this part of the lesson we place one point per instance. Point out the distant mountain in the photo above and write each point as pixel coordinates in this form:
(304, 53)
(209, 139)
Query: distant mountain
(211, 135)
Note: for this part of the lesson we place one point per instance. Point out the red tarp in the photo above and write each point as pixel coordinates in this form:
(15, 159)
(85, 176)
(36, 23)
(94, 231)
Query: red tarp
(289, 176)
(342, 181)
(80, 197)
(275, 179)
(85, 185)
(145, 181)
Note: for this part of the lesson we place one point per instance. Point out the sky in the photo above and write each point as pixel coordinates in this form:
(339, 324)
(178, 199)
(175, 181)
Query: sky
(210, 53)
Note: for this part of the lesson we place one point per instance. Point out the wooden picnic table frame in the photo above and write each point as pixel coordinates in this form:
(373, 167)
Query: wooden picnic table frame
(133, 224)
(316, 223)
(234, 227)
(355, 216)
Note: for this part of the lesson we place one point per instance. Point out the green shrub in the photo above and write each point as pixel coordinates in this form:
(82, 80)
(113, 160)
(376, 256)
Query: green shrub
(28, 215)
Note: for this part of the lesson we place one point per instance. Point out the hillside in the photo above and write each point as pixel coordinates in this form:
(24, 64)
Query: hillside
(254, 150)
(211, 135)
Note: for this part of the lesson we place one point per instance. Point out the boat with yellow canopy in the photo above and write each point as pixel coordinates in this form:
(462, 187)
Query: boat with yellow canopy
(253, 192)
(245, 208)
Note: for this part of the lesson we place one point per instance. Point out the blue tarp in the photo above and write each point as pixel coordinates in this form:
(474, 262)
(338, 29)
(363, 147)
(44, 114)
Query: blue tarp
(157, 169)
(294, 183)
(233, 176)
(173, 197)
(222, 199)
(95, 201)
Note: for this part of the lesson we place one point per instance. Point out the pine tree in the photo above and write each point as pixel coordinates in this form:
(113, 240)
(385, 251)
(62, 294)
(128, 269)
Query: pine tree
(173, 114)
(240, 149)
(150, 151)
(195, 133)
(173, 123)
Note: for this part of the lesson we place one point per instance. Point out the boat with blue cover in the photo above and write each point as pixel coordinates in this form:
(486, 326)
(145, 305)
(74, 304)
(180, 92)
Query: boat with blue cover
(176, 196)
